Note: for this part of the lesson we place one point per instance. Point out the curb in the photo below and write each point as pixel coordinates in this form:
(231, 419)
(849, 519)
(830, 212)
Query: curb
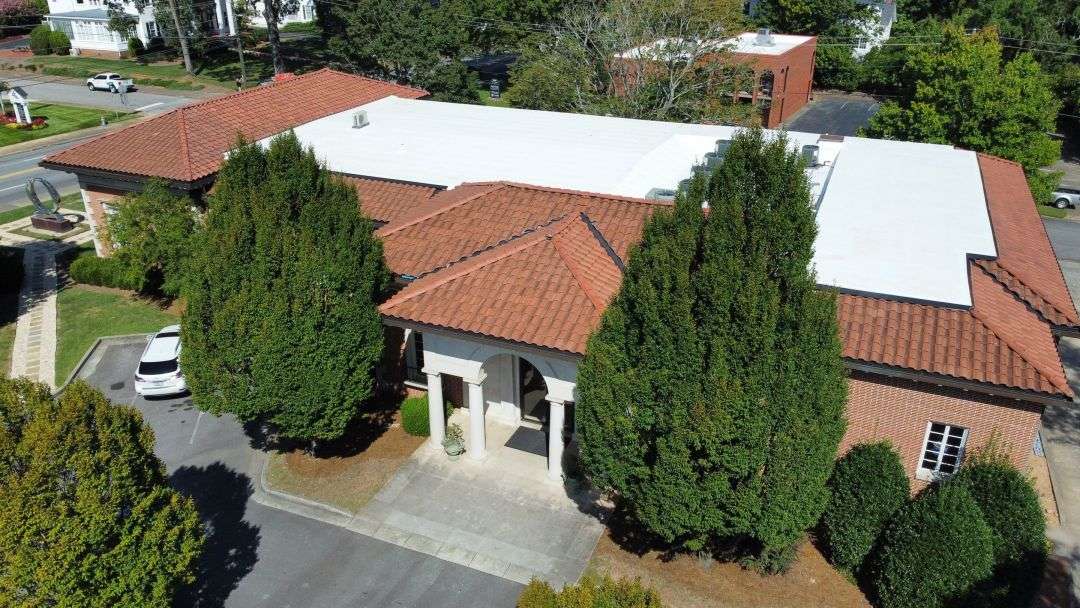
(334, 515)
(90, 353)
(44, 142)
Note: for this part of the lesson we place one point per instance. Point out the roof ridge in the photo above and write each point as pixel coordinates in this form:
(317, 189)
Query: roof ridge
(614, 197)
(460, 268)
(393, 228)
(599, 236)
(185, 151)
(1004, 268)
(598, 303)
(974, 311)
(998, 158)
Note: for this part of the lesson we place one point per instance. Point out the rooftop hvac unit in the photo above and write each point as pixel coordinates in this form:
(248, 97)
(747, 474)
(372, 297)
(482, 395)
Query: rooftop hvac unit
(713, 160)
(661, 194)
(360, 120)
(684, 185)
(722, 146)
(810, 155)
(764, 37)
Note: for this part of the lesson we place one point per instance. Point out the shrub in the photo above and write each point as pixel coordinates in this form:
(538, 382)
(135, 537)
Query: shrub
(591, 592)
(1010, 505)
(135, 46)
(39, 40)
(414, 415)
(59, 43)
(106, 272)
(868, 487)
(11, 269)
(936, 548)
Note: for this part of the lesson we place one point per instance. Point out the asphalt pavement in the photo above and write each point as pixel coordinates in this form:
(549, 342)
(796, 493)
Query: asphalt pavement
(70, 91)
(261, 556)
(17, 167)
(838, 115)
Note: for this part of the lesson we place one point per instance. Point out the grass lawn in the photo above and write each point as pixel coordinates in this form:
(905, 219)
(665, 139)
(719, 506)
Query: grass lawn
(686, 582)
(501, 102)
(72, 201)
(85, 313)
(348, 474)
(61, 119)
(1054, 212)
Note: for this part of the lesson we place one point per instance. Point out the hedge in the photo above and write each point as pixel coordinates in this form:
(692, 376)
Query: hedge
(39, 40)
(591, 592)
(11, 269)
(59, 43)
(106, 272)
(1010, 505)
(935, 550)
(414, 415)
(868, 487)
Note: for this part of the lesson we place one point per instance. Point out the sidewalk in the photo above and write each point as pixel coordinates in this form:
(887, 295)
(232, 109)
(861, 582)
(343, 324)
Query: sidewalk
(34, 352)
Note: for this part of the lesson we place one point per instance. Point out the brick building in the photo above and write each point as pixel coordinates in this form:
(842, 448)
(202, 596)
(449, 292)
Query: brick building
(509, 230)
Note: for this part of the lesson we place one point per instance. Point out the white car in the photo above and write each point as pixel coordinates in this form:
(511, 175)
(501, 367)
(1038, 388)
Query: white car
(159, 367)
(109, 81)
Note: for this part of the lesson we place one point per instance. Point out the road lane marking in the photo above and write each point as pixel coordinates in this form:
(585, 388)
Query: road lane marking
(20, 172)
(160, 103)
(196, 429)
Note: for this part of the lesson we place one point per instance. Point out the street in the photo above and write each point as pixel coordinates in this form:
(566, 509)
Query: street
(17, 167)
(257, 555)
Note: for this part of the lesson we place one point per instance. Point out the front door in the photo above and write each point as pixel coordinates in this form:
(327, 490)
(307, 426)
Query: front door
(533, 390)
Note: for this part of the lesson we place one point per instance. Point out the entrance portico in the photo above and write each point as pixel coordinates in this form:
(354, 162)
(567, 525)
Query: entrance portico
(493, 388)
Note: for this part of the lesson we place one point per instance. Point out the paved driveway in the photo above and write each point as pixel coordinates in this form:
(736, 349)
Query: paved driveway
(838, 115)
(262, 556)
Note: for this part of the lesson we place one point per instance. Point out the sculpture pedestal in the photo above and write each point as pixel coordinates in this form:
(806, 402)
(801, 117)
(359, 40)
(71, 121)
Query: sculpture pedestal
(52, 223)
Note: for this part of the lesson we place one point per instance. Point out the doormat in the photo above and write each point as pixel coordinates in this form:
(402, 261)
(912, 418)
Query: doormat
(528, 440)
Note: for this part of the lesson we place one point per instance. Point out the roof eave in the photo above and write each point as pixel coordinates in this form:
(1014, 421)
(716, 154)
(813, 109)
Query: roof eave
(986, 388)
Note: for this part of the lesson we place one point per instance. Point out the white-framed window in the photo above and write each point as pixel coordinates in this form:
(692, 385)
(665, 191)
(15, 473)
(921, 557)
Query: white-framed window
(414, 358)
(151, 30)
(943, 450)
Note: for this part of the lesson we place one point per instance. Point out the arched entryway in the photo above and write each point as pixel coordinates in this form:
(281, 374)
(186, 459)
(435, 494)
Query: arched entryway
(532, 394)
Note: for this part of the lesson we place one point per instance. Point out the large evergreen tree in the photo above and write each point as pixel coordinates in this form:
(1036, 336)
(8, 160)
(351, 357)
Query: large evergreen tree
(87, 517)
(712, 395)
(281, 323)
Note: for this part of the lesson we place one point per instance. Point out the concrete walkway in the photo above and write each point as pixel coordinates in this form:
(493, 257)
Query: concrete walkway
(34, 351)
(501, 515)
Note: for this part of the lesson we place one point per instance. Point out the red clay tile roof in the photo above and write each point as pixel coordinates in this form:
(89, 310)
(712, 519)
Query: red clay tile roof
(188, 143)
(1025, 263)
(510, 261)
(388, 201)
(457, 223)
(547, 288)
(998, 341)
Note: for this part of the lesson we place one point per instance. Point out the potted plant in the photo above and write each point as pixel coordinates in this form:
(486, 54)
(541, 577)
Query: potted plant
(454, 443)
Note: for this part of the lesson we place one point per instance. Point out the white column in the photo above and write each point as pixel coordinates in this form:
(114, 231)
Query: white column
(477, 432)
(232, 18)
(436, 411)
(556, 418)
(222, 26)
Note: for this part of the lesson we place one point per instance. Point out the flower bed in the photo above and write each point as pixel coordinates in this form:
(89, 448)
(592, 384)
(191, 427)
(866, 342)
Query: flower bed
(36, 122)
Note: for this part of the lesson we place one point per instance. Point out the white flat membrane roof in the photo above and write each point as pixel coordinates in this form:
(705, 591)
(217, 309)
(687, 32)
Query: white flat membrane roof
(895, 218)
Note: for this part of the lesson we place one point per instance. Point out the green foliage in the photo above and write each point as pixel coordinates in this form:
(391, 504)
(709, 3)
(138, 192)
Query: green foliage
(414, 415)
(936, 549)
(962, 93)
(835, 67)
(88, 517)
(591, 592)
(135, 47)
(11, 269)
(39, 40)
(104, 272)
(1010, 505)
(712, 395)
(868, 487)
(451, 81)
(59, 43)
(152, 232)
(281, 323)
(688, 81)
(814, 17)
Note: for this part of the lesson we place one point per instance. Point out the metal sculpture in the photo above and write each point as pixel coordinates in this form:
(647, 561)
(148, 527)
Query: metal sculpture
(46, 217)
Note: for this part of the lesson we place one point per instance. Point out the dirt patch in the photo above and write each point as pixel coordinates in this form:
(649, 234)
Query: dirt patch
(348, 474)
(687, 582)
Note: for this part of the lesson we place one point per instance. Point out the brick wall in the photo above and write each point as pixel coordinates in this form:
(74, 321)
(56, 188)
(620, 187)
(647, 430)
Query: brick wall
(793, 76)
(95, 198)
(899, 410)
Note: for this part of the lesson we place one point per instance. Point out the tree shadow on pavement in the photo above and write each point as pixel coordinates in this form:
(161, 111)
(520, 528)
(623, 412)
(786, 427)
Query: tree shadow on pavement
(231, 545)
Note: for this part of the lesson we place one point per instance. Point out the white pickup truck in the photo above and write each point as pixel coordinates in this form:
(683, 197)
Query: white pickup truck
(108, 81)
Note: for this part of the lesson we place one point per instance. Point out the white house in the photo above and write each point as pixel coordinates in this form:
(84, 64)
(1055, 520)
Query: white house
(878, 28)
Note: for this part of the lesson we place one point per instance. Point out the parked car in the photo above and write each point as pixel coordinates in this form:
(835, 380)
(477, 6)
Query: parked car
(109, 81)
(1065, 197)
(159, 367)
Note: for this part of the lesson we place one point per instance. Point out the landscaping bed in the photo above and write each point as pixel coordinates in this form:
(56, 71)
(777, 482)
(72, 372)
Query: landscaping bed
(684, 581)
(85, 313)
(58, 119)
(347, 473)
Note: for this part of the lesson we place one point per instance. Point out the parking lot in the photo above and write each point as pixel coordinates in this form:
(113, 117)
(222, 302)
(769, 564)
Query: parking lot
(261, 556)
(835, 114)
